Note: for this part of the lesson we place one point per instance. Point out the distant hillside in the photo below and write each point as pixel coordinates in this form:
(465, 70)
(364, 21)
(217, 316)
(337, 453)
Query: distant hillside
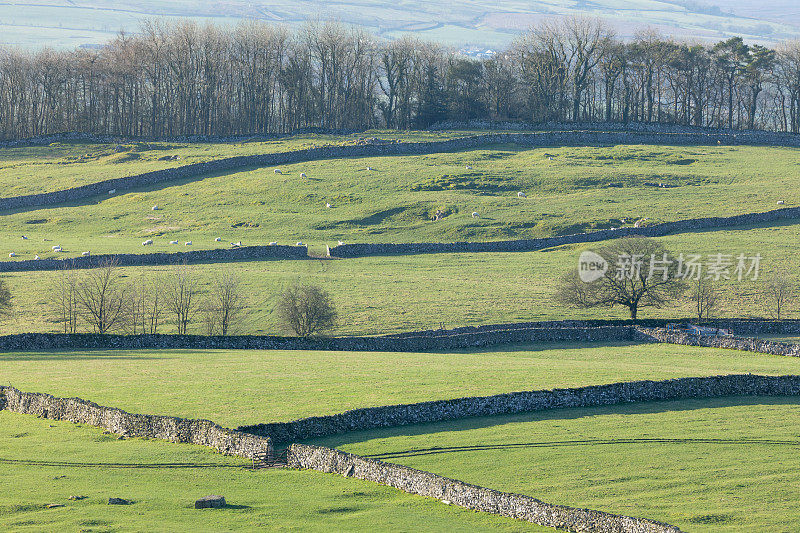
(482, 23)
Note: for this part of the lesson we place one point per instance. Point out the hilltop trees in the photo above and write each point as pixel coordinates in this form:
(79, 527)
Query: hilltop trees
(189, 79)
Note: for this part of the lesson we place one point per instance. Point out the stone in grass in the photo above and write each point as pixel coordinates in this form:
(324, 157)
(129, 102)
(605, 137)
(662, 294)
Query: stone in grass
(210, 502)
(118, 501)
(76, 498)
(54, 505)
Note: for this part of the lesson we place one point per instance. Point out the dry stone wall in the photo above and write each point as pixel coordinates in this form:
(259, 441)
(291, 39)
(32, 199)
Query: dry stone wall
(201, 432)
(748, 344)
(520, 402)
(469, 496)
(244, 253)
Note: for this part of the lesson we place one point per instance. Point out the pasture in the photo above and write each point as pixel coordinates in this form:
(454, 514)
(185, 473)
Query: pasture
(718, 465)
(569, 189)
(46, 462)
(241, 387)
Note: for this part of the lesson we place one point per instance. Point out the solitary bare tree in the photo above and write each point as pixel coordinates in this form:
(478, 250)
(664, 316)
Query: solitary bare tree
(306, 310)
(181, 294)
(778, 292)
(225, 305)
(629, 279)
(101, 296)
(705, 298)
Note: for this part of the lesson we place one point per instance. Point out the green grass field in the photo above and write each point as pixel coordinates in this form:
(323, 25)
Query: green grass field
(704, 465)
(580, 189)
(244, 387)
(98, 466)
(377, 295)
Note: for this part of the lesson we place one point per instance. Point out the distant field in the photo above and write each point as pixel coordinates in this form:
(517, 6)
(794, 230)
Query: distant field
(164, 497)
(244, 387)
(377, 295)
(718, 465)
(569, 190)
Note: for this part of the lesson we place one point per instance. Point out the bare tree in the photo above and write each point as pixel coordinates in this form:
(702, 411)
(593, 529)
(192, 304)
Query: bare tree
(102, 297)
(180, 297)
(306, 310)
(705, 298)
(65, 297)
(5, 298)
(154, 305)
(778, 293)
(628, 281)
(225, 305)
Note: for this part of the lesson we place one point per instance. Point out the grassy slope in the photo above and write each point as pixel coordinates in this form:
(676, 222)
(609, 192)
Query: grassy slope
(164, 497)
(387, 294)
(244, 387)
(726, 484)
(567, 194)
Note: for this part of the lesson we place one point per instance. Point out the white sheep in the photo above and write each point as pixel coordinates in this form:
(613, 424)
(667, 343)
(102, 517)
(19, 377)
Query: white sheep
(36, 258)
(173, 242)
(218, 239)
(328, 205)
(24, 238)
(148, 242)
(85, 254)
(521, 194)
(781, 202)
(303, 175)
(474, 214)
(112, 191)
(155, 208)
(12, 254)
(340, 243)
(277, 171)
(273, 243)
(469, 167)
(56, 246)
(369, 169)
(187, 243)
(236, 244)
(57, 249)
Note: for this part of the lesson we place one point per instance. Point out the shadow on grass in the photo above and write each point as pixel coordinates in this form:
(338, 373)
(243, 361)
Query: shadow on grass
(572, 413)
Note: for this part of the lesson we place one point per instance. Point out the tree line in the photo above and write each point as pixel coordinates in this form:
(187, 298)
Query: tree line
(176, 79)
(101, 301)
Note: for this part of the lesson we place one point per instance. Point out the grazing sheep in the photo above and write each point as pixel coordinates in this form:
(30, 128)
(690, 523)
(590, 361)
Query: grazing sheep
(521, 194)
(781, 202)
(303, 175)
(24, 238)
(36, 258)
(369, 169)
(112, 191)
(56, 246)
(277, 171)
(340, 243)
(474, 214)
(236, 244)
(173, 242)
(328, 205)
(12, 254)
(218, 239)
(57, 249)
(273, 243)
(469, 167)
(187, 243)
(155, 208)
(85, 254)
(148, 242)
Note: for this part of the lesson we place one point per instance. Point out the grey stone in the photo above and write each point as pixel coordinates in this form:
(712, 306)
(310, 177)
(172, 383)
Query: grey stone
(118, 501)
(210, 502)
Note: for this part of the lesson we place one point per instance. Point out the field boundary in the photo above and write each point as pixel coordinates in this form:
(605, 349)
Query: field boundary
(419, 482)
(532, 139)
(526, 401)
(219, 255)
(172, 429)
(746, 344)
